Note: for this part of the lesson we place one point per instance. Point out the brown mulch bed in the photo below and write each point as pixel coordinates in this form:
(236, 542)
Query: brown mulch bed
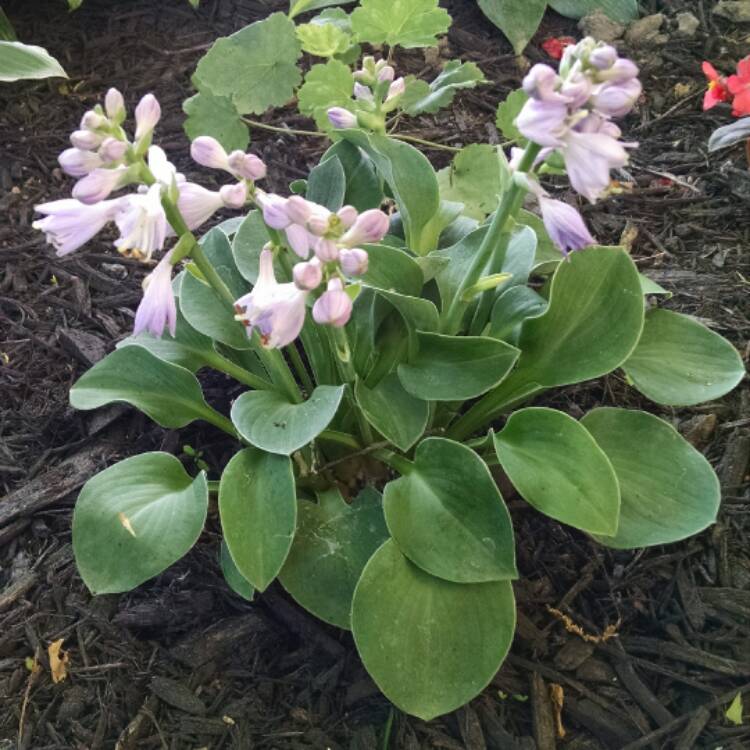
(182, 662)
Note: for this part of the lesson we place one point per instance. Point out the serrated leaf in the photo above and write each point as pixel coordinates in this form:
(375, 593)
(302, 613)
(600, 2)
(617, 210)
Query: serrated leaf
(431, 97)
(215, 116)
(517, 19)
(507, 111)
(408, 23)
(255, 67)
(323, 39)
(20, 62)
(326, 85)
(304, 6)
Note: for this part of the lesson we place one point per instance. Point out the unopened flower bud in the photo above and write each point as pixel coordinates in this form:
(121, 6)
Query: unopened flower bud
(86, 139)
(622, 70)
(298, 209)
(76, 162)
(354, 261)
(333, 307)
(319, 221)
(396, 89)
(98, 184)
(112, 150)
(234, 196)
(617, 99)
(114, 105)
(386, 73)
(341, 118)
(564, 225)
(603, 57)
(247, 166)
(347, 215)
(92, 121)
(326, 250)
(576, 89)
(274, 210)
(540, 83)
(362, 92)
(147, 114)
(307, 276)
(208, 152)
(371, 226)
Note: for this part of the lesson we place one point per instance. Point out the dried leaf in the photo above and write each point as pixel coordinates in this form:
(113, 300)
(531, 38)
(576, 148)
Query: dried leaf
(609, 632)
(58, 661)
(557, 696)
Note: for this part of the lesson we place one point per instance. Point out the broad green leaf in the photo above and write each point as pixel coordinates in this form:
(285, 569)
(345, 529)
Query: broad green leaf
(235, 580)
(135, 519)
(448, 516)
(408, 23)
(591, 326)
(272, 423)
(203, 308)
(363, 186)
(391, 269)
(517, 19)
(326, 184)
(169, 394)
(512, 307)
(412, 181)
(323, 39)
(623, 11)
(668, 490)
(247, 245)
(215, 116)
(478, 175)
(430, 645)
(548, 256)
(507, 111)
(649, 286)
(333, 543)
(303, 6)
(258, 509)
(397, 415)
(326, 85)
(20, 62)
(421, 97)
(256, 67)
(557, 467)
(680, 362)
(455, 368)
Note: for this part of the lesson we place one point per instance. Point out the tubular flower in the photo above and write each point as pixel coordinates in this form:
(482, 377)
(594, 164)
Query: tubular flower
(564, 225)
(142, 223)
(276, 310)
(334, 306)
(570, 112)
(739, 86)
(99, 183)
(157, 309)
(717, 90)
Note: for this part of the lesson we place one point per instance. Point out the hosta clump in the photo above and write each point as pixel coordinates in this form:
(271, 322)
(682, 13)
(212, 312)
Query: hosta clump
(385, 330)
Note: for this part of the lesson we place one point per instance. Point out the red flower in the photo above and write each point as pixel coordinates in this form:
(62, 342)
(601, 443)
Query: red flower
(717, 90)
(555, 45)
(739, 85)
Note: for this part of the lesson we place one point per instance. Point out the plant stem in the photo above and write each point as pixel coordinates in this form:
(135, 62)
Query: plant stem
(451, 321)
(240, 374)
(396, 461)
(425, 143)
(300, 369)
(220, 421)
(340, 438)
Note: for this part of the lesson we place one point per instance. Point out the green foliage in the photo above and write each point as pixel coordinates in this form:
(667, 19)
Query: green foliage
(623, 11)
(507, 111)
(20, 61)
(334, 541)
(134, 519)
(218, 117)
(407, 23)
(429, 644)
(326, 85)
(256, 67)
(235, 580)
(303, 6)
(423, 98)
(323, 39)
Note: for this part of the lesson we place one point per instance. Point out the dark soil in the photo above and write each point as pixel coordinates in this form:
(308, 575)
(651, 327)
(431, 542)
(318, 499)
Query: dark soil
(182, 662)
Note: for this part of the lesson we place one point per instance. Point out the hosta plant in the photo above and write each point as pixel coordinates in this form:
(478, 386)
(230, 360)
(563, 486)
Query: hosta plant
(384, 350)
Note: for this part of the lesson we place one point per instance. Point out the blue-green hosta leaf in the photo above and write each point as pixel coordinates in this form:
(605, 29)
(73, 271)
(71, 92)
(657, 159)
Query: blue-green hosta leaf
(326, 184)
(407, 23)
(478, 176)
(430, 645)
(448, 516)
(256, 67)
(364, 189)
(557, 467)
(728, 135)
(668, 490)
(511, 308)
(136, 518)
(326, 85)
(218, 117)
(680, 362)
(517, 19)
(623, 11)
(421, 97)
(334, 541)
(507, 111)
(20, 62)
(391, 269)
(270, 422)
(235, 580)
(258, 508)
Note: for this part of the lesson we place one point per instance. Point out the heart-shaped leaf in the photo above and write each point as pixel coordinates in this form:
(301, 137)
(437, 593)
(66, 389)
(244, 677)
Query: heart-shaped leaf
(557, 467)
(258, 507)
(680, 362)
(429, 644)
(448, 516)
(454, 368)
(333, 543)
(272, 423)
(668, 489)
(134, 519)
(517, 20)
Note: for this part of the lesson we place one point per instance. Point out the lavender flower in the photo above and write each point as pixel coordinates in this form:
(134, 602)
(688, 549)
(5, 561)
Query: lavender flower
(208, 152)
(147, 115)
(334, 306)
(114, 106)
(78, 162)
(157, 309)
(198, 204)
(564, 225)
(354, 261)
(100, 182)
(342, 118)
(307, 276)
(142, 223)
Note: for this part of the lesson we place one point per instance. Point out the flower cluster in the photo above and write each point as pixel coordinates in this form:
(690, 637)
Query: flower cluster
(571, 112)
(277, 310)
(735, 88)
(105, 160)
(376, 93)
